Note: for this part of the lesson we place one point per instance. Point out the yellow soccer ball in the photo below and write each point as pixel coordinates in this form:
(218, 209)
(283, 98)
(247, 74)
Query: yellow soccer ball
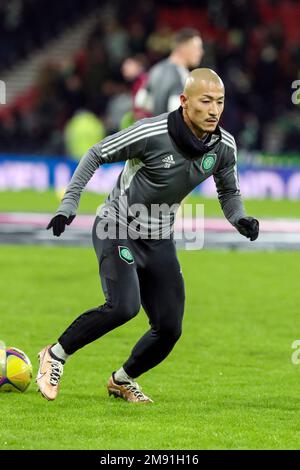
(15, 370)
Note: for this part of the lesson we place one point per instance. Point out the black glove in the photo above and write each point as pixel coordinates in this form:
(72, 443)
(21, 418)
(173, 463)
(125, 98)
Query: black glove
(249, 227)
(59, 222)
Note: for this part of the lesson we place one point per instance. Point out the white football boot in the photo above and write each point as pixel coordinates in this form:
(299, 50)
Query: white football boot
(49, 374)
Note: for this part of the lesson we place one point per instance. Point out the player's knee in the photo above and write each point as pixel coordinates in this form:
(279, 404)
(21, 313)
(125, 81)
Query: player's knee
(125, 309)
(175, 334)
(171, 333)
(129, 310)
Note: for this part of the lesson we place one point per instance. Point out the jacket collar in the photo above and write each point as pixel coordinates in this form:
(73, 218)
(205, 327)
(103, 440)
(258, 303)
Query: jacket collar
(186, 140)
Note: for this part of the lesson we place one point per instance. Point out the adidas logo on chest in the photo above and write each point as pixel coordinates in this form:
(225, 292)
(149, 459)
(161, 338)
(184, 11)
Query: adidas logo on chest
(168, 161)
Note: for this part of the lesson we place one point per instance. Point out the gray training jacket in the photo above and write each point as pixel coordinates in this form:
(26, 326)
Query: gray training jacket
(156, 172)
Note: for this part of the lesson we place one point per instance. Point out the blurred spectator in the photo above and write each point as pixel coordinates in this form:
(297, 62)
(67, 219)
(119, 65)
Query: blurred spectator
(250, 135)
(283, 134)
(119, 105)
(137, 38)
(166, 79)
(45, 114)
(291, 132)
(116, 41)
(133, 71)
(159, 43)
(96, 71)
(72, 92)
(82, 131)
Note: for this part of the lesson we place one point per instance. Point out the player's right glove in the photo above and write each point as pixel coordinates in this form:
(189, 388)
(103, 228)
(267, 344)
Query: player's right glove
(249, 227)
(59, 222)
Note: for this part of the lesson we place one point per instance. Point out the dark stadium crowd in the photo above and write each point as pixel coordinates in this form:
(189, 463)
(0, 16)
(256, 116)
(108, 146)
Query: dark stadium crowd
(253, 45)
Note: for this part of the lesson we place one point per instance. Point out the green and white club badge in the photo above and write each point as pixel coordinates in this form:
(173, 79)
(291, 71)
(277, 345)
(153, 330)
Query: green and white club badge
(208, 162)
(125, 254)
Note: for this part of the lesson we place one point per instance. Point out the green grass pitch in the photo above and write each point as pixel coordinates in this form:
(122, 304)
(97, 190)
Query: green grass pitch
(228, 384)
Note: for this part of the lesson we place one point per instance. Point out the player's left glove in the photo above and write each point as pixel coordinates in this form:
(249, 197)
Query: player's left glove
(59, 222)
(249, 227)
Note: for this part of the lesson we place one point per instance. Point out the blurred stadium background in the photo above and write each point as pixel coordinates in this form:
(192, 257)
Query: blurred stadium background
(66, 89)
(62, 73)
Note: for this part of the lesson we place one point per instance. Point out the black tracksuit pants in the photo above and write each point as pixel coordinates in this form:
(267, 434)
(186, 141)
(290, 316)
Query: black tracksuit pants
(152, 279)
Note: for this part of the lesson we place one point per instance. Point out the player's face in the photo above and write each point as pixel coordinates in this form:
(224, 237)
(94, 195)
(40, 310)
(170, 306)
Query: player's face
(193, 51)
(205, 106)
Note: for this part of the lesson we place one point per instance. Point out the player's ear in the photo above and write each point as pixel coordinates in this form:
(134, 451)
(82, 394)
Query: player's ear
(183, 100)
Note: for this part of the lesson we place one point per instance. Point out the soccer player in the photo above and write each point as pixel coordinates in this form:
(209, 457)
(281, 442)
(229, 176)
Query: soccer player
(136, 269)
(166, 80)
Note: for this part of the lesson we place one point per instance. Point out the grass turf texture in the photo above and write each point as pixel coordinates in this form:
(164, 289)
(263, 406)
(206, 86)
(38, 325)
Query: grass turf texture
(48, 201)
(228, 384)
